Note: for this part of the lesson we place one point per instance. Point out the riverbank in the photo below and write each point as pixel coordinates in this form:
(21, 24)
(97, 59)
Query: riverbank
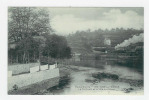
(31, 83)
(111, 81)
(35, 88)
(38, 87)
(74, 80)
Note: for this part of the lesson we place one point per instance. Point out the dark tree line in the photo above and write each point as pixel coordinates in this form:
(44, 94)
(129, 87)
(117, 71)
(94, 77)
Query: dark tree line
(85, 40)
(30, 36)
(56, 46)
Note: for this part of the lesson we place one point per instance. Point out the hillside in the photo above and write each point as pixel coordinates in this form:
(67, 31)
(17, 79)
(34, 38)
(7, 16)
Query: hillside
(83, 41)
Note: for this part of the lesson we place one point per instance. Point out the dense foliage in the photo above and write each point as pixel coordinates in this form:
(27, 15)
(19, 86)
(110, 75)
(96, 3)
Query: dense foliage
(83, 41)
(30, 36)
(56, 47)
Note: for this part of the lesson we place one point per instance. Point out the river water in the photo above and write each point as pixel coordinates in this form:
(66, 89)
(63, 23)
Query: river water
(82, 82)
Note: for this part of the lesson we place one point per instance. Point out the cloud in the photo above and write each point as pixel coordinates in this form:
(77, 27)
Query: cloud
(114, 18)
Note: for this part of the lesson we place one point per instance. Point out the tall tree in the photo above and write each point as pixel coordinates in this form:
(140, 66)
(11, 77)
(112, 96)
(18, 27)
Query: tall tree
(56, 47)
(26, 21)
(23, 24)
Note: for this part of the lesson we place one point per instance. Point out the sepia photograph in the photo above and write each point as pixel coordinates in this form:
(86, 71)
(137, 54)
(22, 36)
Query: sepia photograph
(75, 51)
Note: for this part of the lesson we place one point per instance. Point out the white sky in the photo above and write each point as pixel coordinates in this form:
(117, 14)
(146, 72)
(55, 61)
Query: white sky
(68, 20)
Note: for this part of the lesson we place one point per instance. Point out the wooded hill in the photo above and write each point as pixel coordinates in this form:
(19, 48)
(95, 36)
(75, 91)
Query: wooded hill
(83, 41)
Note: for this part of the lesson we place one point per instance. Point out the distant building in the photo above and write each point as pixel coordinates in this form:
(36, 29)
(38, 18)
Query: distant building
(104, 49)
(107, 42)
(99, 50)
(76, 56)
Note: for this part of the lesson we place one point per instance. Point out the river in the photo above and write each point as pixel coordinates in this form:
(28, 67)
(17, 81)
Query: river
(81, 81)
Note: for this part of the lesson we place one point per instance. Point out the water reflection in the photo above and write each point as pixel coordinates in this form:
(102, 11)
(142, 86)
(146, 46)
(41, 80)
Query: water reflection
(82, 81)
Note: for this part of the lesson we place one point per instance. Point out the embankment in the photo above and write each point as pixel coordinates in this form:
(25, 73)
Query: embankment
(19, 83)
(21, 68)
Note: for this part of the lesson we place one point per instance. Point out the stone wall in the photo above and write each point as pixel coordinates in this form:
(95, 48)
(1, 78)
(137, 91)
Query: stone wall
(34, 69)
(21, 68)
(44, 67)
(31, 78)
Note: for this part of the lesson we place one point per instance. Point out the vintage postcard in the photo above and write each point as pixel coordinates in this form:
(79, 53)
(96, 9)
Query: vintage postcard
(75, 50)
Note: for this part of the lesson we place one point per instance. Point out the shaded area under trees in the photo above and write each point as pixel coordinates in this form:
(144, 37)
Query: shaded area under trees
(31, 36)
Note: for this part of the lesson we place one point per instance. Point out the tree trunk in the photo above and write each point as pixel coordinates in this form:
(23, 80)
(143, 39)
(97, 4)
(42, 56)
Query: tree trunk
(24, 57)
(11, 59)
(34, 57)
(17, 58)
(28, 58)
(48, 60)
